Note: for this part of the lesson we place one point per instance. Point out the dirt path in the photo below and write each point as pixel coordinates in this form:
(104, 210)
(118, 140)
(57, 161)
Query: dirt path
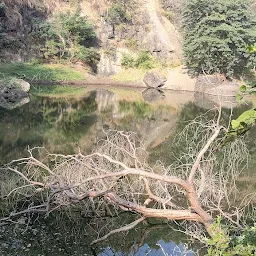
(158, 27)
(164, 29)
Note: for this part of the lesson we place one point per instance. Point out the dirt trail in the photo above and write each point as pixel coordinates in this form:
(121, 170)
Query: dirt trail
(165, 31)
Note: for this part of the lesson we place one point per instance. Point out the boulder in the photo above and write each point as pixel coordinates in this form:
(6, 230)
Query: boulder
(154, 79)
(216, 85)
(23, 85)
(211, 90)
(13, 93)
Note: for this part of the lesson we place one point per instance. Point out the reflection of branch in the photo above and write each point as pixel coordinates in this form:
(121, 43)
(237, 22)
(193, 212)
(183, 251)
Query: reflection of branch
(122, 229)
(29, 210)
(148, 230)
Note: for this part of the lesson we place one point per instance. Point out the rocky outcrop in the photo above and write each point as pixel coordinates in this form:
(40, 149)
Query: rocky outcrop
(147, 29)
(13, 93)
(154, 79)
(215, 89)
(216, 85)
(110, 63)
(164, 40)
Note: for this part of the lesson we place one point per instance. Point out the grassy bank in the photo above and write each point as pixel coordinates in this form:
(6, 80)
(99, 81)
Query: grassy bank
(41, 72)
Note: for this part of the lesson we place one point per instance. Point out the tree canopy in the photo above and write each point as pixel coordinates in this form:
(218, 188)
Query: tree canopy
(217, 34)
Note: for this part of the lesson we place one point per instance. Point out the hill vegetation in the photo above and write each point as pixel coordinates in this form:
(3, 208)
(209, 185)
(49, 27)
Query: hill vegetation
(217, 35)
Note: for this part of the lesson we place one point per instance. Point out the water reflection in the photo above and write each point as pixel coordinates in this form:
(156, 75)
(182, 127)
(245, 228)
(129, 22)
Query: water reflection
(60, 235)
(153, 95)
(63, 125)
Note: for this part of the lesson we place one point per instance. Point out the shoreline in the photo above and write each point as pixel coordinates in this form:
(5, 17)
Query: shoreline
(113, 83)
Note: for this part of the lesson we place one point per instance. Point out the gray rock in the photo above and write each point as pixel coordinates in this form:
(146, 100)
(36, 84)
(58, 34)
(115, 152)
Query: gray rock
(154, 79)
(216, 85)
(13, 93)
(25, 86)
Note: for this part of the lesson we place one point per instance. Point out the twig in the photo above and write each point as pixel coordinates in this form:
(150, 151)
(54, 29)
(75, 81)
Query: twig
(122, 229)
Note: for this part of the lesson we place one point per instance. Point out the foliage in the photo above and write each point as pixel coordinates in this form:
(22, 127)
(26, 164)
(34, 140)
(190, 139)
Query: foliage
(144, 61)
(168, 14)
(117, 15)
(241, 125)
(247, 119)
(131, 43)
(223, 245)
(216, 36)
(87, 55)
(128, 61)
(69, 37)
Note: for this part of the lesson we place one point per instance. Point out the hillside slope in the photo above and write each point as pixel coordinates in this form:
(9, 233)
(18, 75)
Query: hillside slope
(142, 27)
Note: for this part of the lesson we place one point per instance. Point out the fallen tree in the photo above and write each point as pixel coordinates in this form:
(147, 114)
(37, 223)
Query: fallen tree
(116, 177)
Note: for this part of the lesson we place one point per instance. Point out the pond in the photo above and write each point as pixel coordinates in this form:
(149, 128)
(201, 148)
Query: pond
(75, 123)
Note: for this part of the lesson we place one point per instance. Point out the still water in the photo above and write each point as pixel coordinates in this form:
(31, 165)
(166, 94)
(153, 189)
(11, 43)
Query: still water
(75, 123)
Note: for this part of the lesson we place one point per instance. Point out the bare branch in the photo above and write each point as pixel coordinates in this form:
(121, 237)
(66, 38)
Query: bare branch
(122, 229)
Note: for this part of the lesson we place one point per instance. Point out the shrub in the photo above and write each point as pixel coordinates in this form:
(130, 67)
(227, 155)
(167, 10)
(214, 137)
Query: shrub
(74, 27)
(117, 15)
(131, 43)
(69, 37)
(168, 14)
(87, 55)
(216, 35)
(144, 61)
(128, 61)
(224, 245)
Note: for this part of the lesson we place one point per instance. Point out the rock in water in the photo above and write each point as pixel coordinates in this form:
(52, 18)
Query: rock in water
(154, 79)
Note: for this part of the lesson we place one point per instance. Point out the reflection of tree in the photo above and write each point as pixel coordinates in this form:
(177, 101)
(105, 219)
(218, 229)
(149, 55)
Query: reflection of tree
(189, 112)
(45, 122)
(69, 234)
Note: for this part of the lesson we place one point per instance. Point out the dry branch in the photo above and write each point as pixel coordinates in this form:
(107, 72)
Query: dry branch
(117, 176)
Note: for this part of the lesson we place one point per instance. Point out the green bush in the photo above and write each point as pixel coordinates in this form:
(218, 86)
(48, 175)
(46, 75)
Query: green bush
(88, 55)
(216, 35)
(144, 61)
(68, 37)
(128, 61)
(221, 244)
(117, 15)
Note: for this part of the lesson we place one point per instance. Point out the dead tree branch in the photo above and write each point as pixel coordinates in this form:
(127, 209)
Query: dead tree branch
(117, 176)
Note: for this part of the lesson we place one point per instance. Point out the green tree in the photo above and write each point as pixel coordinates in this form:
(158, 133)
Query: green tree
(217, 33)
(69, 37)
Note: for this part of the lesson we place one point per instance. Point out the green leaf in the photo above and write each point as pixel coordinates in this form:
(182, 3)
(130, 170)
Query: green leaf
(239, 97)
(243, 88)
